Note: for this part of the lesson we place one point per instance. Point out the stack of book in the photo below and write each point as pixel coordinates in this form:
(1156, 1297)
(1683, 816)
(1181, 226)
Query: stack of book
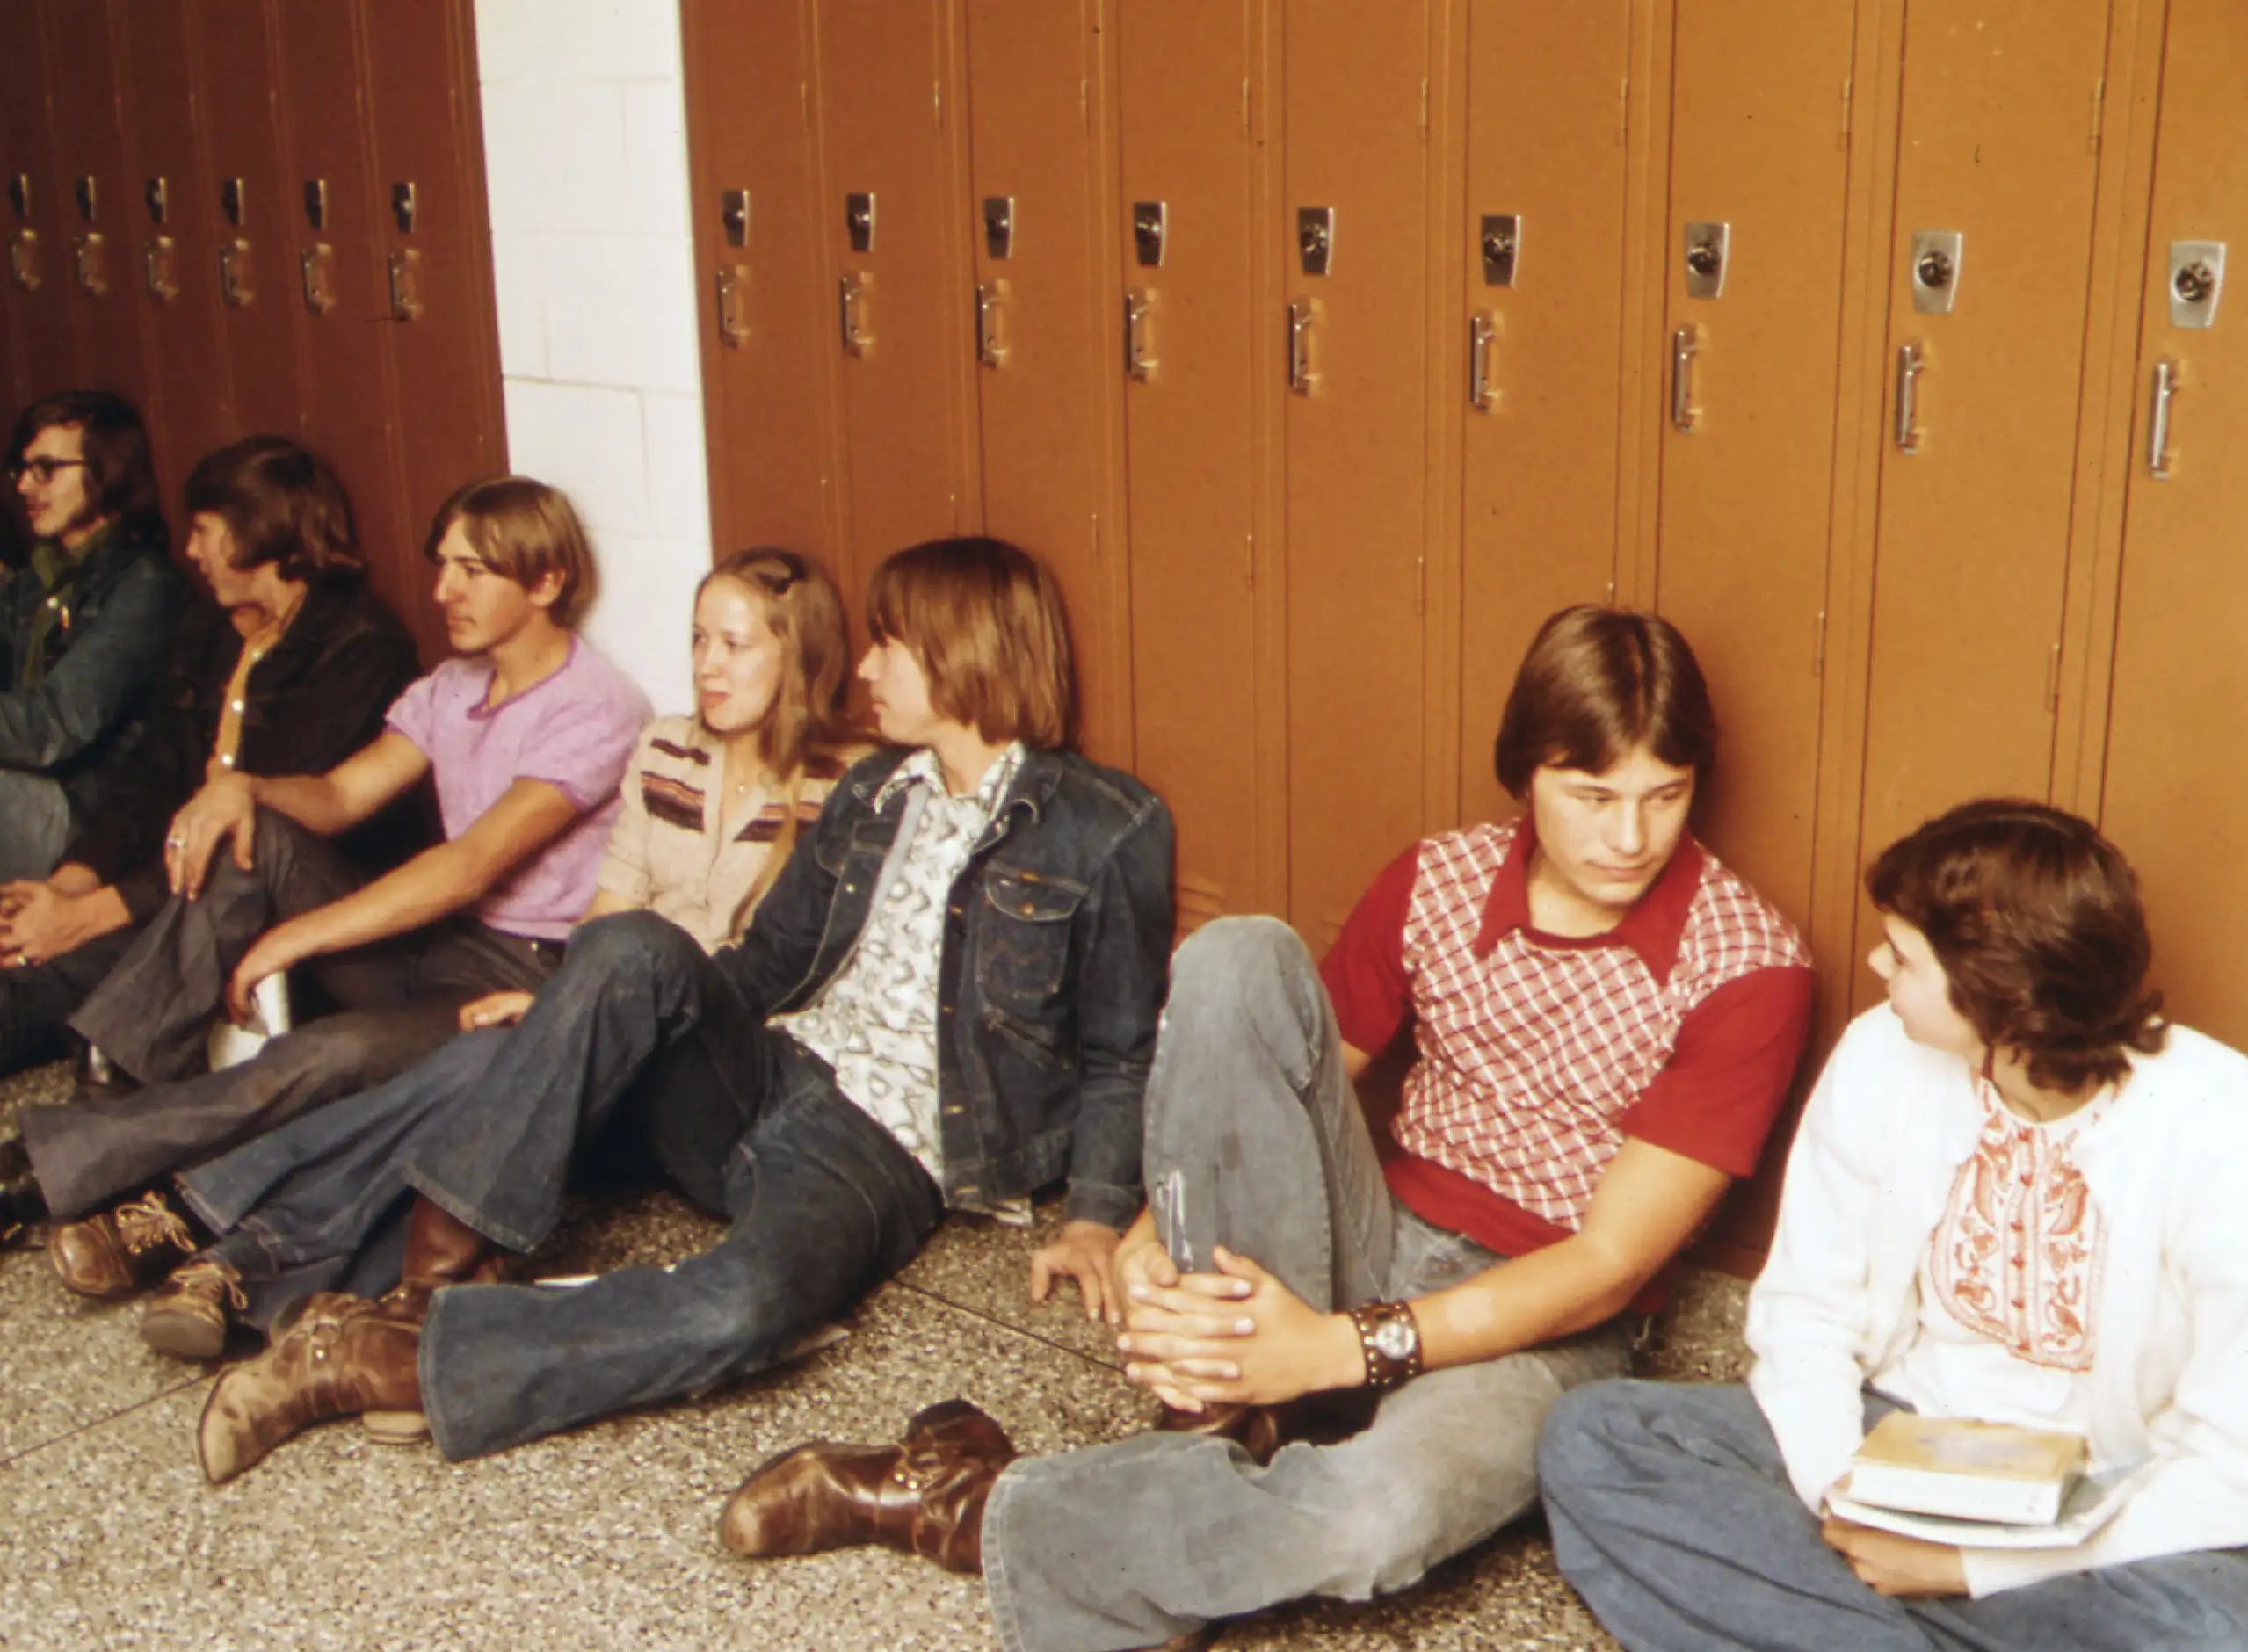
(1978, 1485)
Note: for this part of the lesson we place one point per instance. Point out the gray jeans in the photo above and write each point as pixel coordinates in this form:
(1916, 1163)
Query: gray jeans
(34, 824)
(1255, 1140)
(1672, 1515)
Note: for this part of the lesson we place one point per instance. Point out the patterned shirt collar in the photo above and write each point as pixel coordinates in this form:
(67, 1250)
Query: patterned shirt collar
(1653, 928)
(922, 769)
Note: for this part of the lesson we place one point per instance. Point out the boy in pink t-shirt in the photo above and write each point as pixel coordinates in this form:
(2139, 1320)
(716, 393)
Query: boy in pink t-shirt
(525, 735)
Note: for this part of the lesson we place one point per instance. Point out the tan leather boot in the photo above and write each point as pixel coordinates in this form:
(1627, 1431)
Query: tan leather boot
(343, 1354)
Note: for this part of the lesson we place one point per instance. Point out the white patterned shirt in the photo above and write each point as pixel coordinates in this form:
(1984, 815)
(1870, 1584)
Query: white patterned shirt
(875, 1021)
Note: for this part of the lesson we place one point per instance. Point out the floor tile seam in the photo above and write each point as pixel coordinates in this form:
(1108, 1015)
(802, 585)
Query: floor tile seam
(992, 1319)
(91, 1424)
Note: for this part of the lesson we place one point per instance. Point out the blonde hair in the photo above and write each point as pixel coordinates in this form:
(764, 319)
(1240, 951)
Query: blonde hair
(523, 530)
(986, 621)
(803, 735)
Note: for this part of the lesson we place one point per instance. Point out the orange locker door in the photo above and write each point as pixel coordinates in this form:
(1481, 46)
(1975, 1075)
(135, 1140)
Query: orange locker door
(768, 328)
(1542, 330)
(164, 258)
(255, 255)
(1188, 171)
(1354, 160)
(92, 260)
(433, 239)
(2172, 796)
(891, 215)
(1753, 293)
(1045, 307)
(1987, 276)
(334, 273)
(37, 229)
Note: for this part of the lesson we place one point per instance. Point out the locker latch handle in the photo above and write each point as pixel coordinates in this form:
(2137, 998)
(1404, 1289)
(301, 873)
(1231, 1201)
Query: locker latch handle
(406, 287)
(1303, 371)
(2165, 386)
(1685, 343)
(1482, 332)
(163, 283)
(1911, 362)
(733, 322)
(234, 273)
(1139, 354)
(87, 254)
(990, 309)
(316, 269)
(856, 338)
(23, 259)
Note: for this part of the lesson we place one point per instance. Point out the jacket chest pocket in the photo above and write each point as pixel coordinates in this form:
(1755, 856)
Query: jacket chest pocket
(1022, 959)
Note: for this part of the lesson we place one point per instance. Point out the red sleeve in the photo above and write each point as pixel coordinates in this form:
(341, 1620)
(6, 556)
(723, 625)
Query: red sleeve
(1729, 1071)
(1365, 970)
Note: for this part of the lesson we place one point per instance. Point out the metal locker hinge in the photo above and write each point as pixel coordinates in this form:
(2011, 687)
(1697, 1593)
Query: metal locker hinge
(87, 257)
(1150, 221)
(1314, 238)
(858, 220)
(406, 287)
(234, 273)
(1708, 252)
(2196, 282)
(1912, 362)
(999, 226)
(157, 193)
(405, 203)
(1935, 269)
(1501, 245)
(733, 216)
(162, 257)
(317, 268)
(733, 294)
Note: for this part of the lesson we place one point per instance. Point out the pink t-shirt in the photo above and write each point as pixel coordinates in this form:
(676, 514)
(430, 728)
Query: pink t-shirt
(575, 729)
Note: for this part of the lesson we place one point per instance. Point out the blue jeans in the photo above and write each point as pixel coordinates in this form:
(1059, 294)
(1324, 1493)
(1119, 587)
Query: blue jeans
(1255, 1142)
(1672, 1515)
(34, 824)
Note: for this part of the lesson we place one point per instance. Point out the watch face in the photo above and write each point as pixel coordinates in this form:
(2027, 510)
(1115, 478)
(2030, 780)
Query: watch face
(1396, 1338)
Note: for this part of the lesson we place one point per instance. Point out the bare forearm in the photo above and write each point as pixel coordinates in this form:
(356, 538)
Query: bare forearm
(434, 884)
(313, 800)
(1549, 1293)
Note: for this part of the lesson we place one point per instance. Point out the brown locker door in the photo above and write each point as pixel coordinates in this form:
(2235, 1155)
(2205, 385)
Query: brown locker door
(2172, 796)
(38, 232)
(253, 216)
(899, 312)
(433, 238)
(1355, 436)
(768, 331)
(1046, 326)
(1185, 153)
(166, 258)
(1994, 145)
(1542, 325)
(1756, 146)
(92, 258)
(334, 273)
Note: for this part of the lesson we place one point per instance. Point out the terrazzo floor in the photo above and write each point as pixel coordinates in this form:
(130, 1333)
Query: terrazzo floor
(605, 1537)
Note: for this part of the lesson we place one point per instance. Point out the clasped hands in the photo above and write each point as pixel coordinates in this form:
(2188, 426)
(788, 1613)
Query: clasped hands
(1236, 1336)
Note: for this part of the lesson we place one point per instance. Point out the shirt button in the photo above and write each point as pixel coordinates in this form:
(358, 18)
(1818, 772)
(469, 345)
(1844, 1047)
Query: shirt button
(955, 1109)
(227, 761)
(237, 708)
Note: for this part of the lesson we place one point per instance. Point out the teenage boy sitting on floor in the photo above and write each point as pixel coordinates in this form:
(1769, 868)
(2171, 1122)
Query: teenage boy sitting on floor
(949, 1000)
(527, 733)
(1606, 1020)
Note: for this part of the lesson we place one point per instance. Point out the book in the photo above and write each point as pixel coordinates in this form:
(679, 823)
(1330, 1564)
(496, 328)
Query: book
(1964, 1469)
(2092, 1503)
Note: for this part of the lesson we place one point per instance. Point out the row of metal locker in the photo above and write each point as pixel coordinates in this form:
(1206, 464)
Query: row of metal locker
(259, 215)
(1326, 345)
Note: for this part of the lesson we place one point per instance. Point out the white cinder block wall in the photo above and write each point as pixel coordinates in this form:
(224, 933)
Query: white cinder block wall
(586, 165)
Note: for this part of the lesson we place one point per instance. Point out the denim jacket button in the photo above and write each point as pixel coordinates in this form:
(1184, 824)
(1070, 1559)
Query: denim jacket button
(955, 1109)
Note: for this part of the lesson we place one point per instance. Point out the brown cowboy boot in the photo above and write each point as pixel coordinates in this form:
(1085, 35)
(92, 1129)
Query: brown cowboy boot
(925, 1495)
(343, 1354)
(441, 1249)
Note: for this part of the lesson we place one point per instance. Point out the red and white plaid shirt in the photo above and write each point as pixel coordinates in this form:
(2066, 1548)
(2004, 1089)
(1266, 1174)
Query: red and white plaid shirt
(1540, 1054)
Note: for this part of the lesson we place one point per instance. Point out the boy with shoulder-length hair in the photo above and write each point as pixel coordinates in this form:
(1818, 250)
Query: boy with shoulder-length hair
(525, 733)
(85, 628)
(2013, 1199)
(1607, 1021)
(947, 1000)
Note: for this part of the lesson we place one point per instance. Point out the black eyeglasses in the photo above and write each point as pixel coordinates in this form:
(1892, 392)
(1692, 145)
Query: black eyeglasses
(42, 469)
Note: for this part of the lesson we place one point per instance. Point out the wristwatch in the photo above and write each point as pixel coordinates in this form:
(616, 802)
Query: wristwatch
(1390, 1338)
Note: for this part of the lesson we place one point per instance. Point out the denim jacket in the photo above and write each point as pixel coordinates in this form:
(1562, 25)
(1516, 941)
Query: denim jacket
(1056, 953)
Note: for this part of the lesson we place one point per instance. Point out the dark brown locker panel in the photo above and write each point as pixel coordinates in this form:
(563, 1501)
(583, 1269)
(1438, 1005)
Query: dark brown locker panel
(1188, 171)
(166, 257)
(1754, 292)
(1988, 274)
(38, 232)
(1354, 205)
(768, 335)
(442, 329)
(890, 215)
(335, 274)
(2173, 797)
(1045, 316)
(91, 257)
(1541, 324)
(253, 216)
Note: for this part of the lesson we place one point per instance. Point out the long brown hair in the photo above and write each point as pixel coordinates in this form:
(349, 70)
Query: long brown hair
(1598, 682)
(804, 736)
(986, 620)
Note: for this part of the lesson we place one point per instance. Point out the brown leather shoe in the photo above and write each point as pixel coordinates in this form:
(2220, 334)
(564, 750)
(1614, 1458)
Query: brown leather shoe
(342, 1355)
(117, 1252)
(925, 1495)
(188, 1316)
(1256, 1429)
